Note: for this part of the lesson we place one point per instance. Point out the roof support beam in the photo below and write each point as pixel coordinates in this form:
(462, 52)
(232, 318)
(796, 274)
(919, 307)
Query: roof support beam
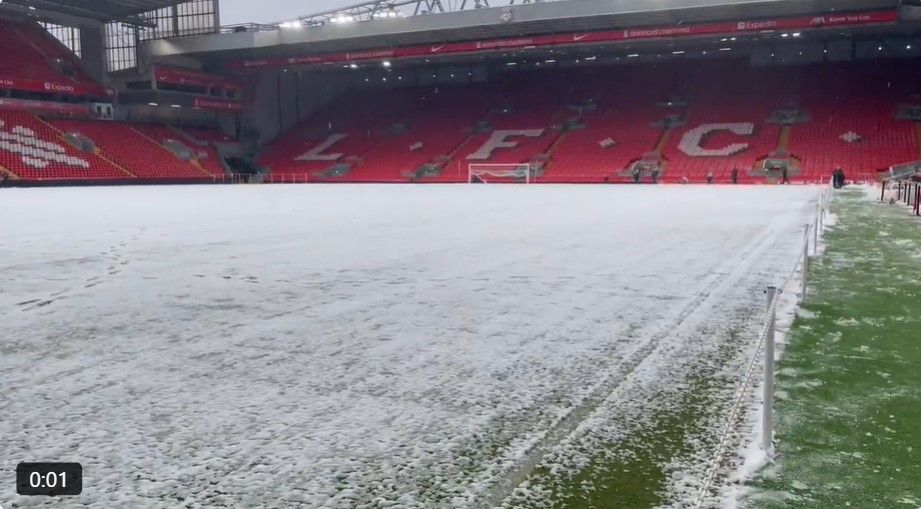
(71, 9)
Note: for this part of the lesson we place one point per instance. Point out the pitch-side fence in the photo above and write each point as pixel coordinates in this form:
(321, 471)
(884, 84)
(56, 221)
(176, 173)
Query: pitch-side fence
(764, 353)
(905, 190)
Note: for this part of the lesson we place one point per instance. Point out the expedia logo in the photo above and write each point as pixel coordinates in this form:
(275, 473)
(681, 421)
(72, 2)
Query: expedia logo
(757, 25)
(57, 87)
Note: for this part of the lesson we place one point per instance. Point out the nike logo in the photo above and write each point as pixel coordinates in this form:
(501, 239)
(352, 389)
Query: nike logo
(436, 49)
(577, 38)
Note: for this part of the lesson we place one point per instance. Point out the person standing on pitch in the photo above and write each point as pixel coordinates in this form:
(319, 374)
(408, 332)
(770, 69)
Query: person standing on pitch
(785, 176)
(655, 176)
(636, 175)
(710, 177)
(838, 178)
(735, 175)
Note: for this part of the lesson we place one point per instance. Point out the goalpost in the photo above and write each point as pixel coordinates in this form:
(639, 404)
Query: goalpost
(482, 172)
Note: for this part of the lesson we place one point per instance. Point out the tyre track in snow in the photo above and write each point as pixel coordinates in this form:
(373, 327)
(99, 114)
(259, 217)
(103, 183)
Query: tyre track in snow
(491, 473)
(730, 271)
(371, 311)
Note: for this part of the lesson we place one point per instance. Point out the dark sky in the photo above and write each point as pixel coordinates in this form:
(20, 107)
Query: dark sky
(263, 11)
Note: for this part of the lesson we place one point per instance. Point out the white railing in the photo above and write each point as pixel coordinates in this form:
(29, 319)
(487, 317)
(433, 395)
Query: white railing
(261, 178)
(765, 351)
(907, 191)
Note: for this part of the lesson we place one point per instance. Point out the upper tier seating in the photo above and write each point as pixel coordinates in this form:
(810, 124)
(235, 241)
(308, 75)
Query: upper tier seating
(29, 52)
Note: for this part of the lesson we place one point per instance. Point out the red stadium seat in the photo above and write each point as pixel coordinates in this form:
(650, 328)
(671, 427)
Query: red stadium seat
(31, 53)
(140, 154)
(35, 150)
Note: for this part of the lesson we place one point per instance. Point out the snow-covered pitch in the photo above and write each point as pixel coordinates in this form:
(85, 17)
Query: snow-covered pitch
(367, 346)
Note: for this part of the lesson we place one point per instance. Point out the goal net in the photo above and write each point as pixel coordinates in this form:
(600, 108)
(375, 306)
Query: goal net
(482, 172)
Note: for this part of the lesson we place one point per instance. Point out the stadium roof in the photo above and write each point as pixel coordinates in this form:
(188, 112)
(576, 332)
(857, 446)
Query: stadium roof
(490, 23)
(99, 10)
(377, 9)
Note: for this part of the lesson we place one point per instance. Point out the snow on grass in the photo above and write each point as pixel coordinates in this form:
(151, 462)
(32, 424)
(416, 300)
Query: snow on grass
(366, 346)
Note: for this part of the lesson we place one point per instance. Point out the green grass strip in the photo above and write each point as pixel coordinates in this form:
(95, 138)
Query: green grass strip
(849, 385)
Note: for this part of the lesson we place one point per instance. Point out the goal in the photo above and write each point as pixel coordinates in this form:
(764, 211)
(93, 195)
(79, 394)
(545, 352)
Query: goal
(482, 172)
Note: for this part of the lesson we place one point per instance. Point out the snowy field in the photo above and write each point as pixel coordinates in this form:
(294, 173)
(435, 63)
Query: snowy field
(373, 346)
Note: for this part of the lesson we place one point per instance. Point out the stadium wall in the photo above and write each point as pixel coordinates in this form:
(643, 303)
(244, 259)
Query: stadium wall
(280, 100)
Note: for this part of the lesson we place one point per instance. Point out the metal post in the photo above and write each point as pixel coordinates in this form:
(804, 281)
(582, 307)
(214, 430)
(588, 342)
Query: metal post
(767, 416)
(815, 232)
(822, 217)
(805, 261)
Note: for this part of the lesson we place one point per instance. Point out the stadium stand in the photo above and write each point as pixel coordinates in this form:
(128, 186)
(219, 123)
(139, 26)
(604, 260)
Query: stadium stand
(181, 150)
(400, 156)
(31, 53)
(201, 135)
(697, 120)
(852, 123)
(39, 150)
(725, 130)
(35, 150)
(627, 109)
(127, 147)
(587, 124)
(205, 141)
(338, 134)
